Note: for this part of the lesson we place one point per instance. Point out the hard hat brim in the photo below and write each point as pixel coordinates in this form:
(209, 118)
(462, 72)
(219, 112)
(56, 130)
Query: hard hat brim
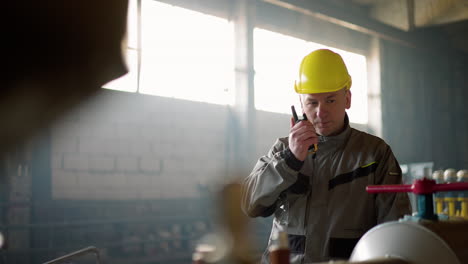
(312, 90)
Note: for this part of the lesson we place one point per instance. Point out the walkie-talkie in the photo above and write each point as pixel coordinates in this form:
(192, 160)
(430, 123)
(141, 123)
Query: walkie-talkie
(313, 148)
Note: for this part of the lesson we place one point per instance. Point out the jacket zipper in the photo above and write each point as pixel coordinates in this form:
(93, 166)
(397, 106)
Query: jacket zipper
(305, 225)
(306, 217)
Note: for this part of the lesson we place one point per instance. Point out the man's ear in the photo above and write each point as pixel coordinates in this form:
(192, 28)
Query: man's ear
(300, 101)
(348, 98)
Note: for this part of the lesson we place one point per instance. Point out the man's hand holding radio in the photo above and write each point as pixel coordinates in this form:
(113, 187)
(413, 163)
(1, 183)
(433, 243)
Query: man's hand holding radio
(301, 136)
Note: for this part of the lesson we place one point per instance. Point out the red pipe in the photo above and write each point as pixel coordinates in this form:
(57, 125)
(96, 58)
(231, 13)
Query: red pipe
(423, 186)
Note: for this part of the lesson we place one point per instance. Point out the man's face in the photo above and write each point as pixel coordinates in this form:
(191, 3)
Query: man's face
(326, 111)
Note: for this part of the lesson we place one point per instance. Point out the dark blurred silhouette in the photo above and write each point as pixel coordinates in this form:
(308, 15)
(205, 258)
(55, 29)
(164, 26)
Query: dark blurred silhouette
(58, 54)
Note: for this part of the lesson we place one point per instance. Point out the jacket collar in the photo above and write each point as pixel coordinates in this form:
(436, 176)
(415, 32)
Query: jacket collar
(337, 140)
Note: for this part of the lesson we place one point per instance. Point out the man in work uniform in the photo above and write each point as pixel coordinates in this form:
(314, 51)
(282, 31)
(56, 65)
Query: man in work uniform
(320, 198)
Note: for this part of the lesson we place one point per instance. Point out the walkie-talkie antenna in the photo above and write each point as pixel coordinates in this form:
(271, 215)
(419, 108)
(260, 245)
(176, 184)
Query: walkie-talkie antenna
(294, 114)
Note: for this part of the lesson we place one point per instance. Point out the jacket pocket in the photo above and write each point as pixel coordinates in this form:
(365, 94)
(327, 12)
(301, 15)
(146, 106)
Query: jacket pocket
(295, 212)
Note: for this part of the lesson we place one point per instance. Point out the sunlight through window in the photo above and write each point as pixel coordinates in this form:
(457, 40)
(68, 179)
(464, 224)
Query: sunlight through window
(186, 54)
(277, 59)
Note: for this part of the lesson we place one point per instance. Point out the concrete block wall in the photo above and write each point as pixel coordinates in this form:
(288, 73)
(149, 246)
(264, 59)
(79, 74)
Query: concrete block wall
(121, 146)
(269, 127)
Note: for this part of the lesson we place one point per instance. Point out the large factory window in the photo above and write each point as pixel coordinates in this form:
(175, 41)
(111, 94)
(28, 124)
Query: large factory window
(186, 54)
(190, 57)
(277, 58)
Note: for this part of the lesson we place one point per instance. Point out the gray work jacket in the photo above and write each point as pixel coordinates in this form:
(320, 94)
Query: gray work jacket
(326, 199)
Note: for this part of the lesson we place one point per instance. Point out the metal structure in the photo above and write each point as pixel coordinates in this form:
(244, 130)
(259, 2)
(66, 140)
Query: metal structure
(420, 238)
(78, 253)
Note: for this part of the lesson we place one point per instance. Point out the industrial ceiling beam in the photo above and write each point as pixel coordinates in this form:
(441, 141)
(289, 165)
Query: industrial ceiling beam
(437, 12)
(350, 19)
(355, 20)
(396, 13)
(412, 14)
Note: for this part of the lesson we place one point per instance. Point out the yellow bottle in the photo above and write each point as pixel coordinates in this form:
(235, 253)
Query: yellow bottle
(450, 176)
(438, 176)
(462, 176)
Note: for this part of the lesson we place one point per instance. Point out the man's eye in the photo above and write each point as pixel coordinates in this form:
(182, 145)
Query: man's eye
(331, 101)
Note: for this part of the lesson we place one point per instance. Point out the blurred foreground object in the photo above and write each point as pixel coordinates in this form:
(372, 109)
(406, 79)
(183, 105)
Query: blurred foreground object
(232, 243)
(279, 249)
(58, 53)
(236, 223)
(425, 242)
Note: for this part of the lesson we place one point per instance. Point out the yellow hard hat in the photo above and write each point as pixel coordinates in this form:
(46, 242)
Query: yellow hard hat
(322, 71)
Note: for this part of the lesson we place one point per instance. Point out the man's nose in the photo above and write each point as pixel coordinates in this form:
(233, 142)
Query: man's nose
(322, 111)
